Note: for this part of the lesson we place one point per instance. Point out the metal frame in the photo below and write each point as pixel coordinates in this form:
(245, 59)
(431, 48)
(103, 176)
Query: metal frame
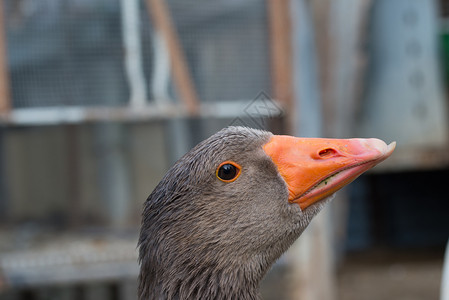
(139, 109)
(150, 112)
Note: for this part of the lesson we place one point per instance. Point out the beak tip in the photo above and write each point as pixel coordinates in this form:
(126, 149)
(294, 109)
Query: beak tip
(390, 148)
(379, 145)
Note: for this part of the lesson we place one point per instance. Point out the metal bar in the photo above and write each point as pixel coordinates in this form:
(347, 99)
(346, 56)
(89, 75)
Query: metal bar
(161, 17)
(3, 179)
(160, 79)
(113, 172)
(73, 162)
(5, 96)
(133, 53)
(40, 116)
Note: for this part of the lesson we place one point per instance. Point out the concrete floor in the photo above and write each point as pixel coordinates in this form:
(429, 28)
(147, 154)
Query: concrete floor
(372, 275)
(375, 275)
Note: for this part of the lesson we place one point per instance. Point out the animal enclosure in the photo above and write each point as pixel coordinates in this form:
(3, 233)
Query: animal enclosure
(98, 98)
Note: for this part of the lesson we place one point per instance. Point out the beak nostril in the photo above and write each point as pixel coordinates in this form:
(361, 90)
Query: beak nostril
(328, 152)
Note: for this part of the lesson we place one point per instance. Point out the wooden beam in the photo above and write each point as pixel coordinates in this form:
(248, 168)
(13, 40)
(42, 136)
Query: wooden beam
(281, 55)
(160, 14)
(5, 95)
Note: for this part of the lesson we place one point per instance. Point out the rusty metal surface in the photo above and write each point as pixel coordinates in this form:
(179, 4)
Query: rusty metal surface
(405, 99)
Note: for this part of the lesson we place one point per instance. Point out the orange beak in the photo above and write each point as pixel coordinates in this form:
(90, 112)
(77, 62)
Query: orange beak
(315, 168)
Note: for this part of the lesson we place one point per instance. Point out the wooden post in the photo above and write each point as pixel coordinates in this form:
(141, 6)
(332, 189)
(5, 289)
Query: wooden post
(339, 39)
(5, 98)
(281, 56)
(321, 14)
(310, 270)
(159, 13)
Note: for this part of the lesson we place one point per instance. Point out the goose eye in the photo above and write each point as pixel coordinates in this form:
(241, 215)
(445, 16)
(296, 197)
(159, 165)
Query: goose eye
(228, 171)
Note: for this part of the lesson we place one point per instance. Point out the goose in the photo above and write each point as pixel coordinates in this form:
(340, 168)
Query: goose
(232, 205)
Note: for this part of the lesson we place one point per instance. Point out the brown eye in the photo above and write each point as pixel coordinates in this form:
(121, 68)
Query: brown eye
(228, 171)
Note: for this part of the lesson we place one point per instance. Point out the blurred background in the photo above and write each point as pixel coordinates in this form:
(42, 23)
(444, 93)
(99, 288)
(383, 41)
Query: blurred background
(99, 97)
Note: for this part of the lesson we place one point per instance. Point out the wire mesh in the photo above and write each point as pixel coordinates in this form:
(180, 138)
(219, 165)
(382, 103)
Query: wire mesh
(226, 43)
(65, 53)
(71, 52)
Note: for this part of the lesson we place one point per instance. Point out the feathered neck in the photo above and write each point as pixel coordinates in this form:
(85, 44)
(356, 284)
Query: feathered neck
(199, 281)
